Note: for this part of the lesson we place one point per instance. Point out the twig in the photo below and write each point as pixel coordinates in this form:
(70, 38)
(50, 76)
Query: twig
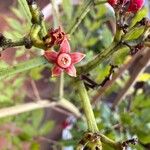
(91, 122)
(61, 86)
(130, 141)
(105, 54)
(35, 90)
(37, 17)
(78, 20)
(83, 13)
(57, 23)
(22, 108)
(50, 141)
(102, 90)
(143, 61)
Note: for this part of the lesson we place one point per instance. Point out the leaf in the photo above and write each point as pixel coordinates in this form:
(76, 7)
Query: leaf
(144, 77)
(134, 33)
(139, 16)
(28, 131)
(36, 62)
(35, 73)
(17, 12)
(14, 24)
(24, 6)
(106, 114)
(46, 128)
(37, 117)
(67, 8)
(35, 146)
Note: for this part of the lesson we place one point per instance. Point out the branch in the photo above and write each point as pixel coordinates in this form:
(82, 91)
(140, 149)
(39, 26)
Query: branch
(9, 71)
(142, 62)
(108, 84)
(37, 17)
(22, 108)
(78, 20)
(92, 126)
(84, 11)
(104, 55)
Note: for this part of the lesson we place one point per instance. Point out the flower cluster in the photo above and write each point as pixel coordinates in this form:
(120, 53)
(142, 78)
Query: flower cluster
(63, 59)
(130, 5)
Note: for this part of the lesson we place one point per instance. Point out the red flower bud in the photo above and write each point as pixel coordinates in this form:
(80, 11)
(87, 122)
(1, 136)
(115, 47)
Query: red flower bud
(54, 37)
(112, 2)
(135, 5)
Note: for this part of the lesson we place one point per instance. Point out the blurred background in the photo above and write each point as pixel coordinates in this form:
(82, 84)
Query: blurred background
(57, 128)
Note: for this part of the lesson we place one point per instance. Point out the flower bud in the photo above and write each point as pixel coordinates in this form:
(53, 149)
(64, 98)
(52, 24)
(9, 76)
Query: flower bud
(130, 5)
(112, 2)
(135, 5)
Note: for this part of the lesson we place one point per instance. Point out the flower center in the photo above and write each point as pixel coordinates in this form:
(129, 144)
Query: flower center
(64, 60)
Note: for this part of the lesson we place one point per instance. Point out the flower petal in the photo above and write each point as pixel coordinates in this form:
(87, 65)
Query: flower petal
(76, 57)
(65, 46)
(56, 71)
(51, 55)
(71, 70)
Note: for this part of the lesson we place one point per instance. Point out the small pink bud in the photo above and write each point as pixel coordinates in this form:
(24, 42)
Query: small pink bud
(112, 2)
(135, 5)
(132, 5)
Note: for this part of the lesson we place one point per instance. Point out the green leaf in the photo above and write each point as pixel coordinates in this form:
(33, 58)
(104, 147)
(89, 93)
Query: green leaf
(139, 16)
(24, 6)
(37, 120)
(36, 73)
(134, 33)
(105, 114)
(67, 8)
(28, 132)
(17, 12)
(36, 62)
(14, 24)
(46, 128)
(35, 146)
(126, 118)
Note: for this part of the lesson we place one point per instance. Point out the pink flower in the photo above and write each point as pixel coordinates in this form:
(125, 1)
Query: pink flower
(64, 60)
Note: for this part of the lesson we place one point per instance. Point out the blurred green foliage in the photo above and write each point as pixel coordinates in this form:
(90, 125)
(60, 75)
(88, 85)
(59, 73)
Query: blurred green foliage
(94, 34)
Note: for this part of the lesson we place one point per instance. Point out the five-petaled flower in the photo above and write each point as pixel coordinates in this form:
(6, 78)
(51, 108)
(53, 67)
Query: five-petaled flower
(64, 60)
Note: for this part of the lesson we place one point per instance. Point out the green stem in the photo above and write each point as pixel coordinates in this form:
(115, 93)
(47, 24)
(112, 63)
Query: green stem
(37, 42)
(61, 86)
(56, 19)
(83, 13)
(9, 43)
(81, 17)
(100, 2)
(118, 35)
(37, 18)
(111, 143)
(104, 55)
(92, 126)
